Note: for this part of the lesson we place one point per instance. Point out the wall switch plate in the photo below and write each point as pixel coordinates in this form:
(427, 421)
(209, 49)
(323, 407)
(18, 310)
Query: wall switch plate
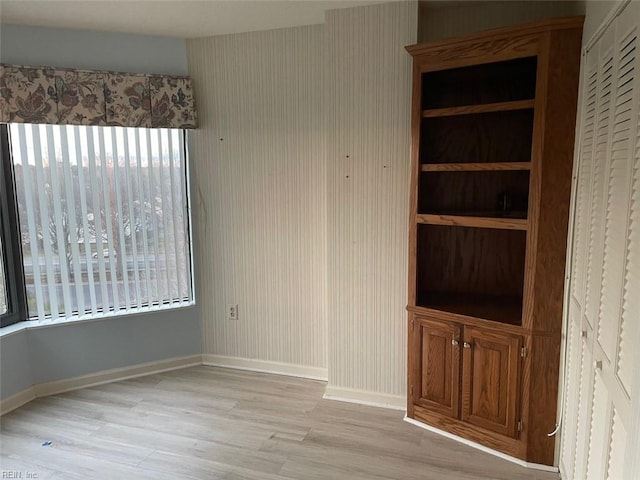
(232, 311)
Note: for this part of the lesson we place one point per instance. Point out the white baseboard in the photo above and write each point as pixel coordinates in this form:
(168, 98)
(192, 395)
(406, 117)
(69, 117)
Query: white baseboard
(98, 378)
(116, 374)
(255, 365)
(535, 466)
(365, 397)
(17, 400)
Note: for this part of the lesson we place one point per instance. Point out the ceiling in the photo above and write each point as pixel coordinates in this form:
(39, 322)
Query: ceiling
(177, 18)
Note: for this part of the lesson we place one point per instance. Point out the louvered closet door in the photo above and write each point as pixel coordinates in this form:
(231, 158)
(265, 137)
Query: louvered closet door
(625, 363)
(602, 385)
(577, 402)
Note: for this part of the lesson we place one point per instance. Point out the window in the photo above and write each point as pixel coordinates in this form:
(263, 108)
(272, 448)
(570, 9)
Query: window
(103, 218)
(3, 282)
(12, 298)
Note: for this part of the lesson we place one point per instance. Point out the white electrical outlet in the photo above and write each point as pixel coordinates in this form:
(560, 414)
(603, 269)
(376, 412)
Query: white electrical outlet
(232, 312)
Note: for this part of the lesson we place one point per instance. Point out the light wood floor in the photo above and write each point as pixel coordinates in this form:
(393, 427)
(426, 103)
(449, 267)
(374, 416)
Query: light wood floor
(212, 423)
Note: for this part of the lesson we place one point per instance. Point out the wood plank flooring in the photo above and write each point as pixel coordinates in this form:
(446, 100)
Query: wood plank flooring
(214, 423)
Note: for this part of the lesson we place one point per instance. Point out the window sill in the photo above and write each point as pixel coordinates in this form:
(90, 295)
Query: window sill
(54, 322)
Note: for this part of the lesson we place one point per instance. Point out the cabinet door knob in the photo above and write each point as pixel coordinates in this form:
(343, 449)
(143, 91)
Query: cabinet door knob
(466, 345)
(454, 342)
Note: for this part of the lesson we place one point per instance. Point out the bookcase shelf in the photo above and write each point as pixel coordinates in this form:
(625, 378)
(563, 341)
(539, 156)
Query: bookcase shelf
(480, 108)
(475, 167)
(496, 308)
(478, 220)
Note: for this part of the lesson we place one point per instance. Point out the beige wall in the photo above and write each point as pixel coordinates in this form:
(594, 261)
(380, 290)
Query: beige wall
(279, 228)
(448, 19)
(369, 99)
(260, 195)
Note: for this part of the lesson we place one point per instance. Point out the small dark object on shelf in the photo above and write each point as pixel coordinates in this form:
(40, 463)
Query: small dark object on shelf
(510, 204)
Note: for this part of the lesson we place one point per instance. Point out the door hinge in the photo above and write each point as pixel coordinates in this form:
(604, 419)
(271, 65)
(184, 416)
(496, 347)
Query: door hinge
(519, 425)
(523, 352)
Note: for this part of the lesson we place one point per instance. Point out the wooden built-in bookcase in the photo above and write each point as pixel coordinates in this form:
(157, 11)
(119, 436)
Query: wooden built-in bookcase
(492, 150)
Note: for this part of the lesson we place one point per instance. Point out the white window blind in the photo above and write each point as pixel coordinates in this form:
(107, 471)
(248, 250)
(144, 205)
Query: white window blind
(103, 213)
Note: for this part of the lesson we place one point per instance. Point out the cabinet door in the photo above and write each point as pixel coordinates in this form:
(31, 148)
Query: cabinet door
(436, 382)
(491, 380)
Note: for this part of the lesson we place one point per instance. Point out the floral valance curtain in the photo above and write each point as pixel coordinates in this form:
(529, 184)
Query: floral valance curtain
(84, 97)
